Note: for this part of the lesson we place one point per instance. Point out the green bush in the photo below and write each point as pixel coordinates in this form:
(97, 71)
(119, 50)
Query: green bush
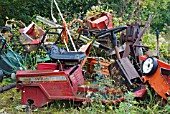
(27, 10)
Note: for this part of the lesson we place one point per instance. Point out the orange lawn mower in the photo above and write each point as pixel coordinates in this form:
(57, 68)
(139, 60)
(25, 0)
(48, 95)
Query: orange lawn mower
(157, 74)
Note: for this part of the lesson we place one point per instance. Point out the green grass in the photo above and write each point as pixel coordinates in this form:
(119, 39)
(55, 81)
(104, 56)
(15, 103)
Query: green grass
(151, 104)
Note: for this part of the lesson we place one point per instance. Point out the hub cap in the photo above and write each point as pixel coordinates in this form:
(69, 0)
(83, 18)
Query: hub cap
(148, 65)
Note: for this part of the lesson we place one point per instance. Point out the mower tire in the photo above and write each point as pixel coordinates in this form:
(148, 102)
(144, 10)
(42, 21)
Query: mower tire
(149, 66)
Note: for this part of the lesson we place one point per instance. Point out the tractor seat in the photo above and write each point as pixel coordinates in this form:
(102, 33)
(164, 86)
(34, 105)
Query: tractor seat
(57, 53)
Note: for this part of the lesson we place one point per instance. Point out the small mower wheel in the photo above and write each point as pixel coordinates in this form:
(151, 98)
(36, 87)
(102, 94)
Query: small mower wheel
(1, 75)
(149, 66)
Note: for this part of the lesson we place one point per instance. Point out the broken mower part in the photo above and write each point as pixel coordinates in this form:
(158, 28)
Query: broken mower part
(149, 66)
(44, 86)
(1, 75)
(7, 87)
(48, 22)
(31, 36)
(157, 75)
(35, 37)
(112, 35)
(57, 53)
(157, 43)
(92, 61)
(100, 21)
(122, 71)
(126, 72)
(10, 61)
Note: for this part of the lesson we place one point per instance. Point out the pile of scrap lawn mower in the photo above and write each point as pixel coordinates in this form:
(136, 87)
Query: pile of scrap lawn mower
(79, 76)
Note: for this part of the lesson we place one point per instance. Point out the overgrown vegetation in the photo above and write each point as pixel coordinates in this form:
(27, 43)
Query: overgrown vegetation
(26, 10)
(152, 104)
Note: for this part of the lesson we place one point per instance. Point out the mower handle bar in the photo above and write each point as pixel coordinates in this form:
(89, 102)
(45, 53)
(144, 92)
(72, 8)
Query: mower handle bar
(47, 32)
(114, 30)
(112, 37)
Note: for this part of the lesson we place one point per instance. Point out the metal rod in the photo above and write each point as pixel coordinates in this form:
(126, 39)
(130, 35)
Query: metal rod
(157, 40)
(143, 31)
(52, 16)
(66, 26)
(7, 87)
(54, 19)
(52, 24)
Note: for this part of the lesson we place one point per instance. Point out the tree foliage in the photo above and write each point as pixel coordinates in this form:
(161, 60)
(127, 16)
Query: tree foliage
(26, 10)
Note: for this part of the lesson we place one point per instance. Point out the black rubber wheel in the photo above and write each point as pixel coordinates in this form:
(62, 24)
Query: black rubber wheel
(149, 66)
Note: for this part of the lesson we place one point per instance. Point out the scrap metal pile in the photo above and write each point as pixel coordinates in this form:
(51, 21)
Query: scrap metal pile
(69, 69)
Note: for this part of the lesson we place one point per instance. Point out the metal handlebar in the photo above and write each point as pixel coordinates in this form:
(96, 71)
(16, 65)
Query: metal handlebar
(115, 30)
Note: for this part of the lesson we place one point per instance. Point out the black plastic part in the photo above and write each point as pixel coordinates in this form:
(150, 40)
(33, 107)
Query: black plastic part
(1, 75)
(165, 71)
(104, 47)
(111, 33)
(113, 39)
(114, 30)
(157, 34)
(7, 87)
(74, 69)
(155, 66)
(30, 101)
(2, 43)
(57, 53)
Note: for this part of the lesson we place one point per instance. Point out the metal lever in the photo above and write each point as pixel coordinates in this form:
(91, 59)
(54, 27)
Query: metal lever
(157, 41)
